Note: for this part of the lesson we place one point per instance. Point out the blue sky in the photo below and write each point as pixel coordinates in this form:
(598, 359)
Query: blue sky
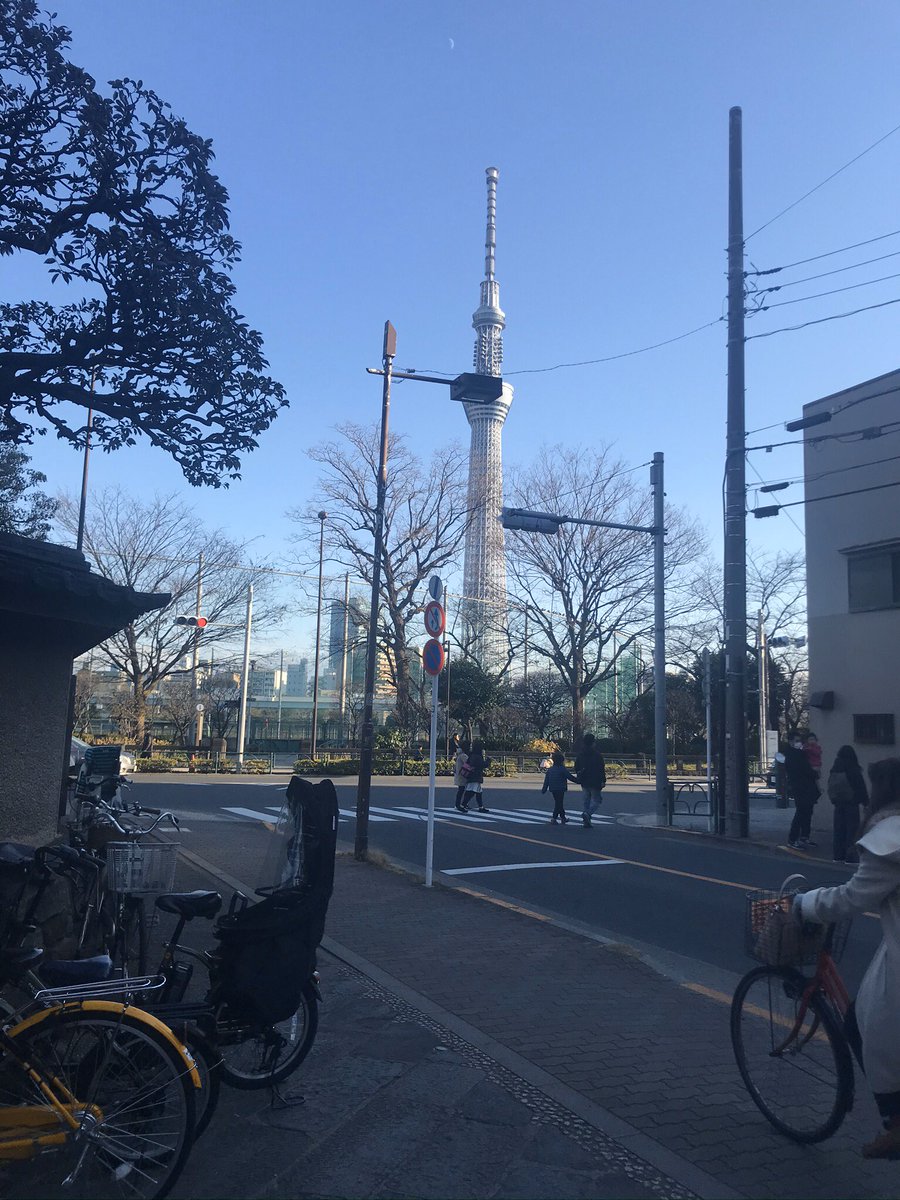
(353, 138)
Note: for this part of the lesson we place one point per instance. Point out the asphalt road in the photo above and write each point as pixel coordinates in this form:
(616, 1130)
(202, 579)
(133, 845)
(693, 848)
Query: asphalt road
(673, 894)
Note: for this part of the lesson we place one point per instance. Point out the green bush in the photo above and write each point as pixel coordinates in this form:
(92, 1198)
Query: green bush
(158, 763)
(616, 770)
(207, 766)
(318, 766)
(500, 770)
(417, 768)
(257, 766)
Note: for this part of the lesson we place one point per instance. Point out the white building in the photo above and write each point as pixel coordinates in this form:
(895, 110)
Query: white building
(852, 488)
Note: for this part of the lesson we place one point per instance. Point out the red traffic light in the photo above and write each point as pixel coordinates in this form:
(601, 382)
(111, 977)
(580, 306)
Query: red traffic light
(199, 622)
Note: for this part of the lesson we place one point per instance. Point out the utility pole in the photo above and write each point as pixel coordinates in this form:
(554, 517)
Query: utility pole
(447, 669)
(345, 650)
(195, 661)
(364, 786)
(735, 592)
(245, 679)
(315, 712)
(280, 692)
(659, 638)
(763, 669)
(525, 673)
(82, 507)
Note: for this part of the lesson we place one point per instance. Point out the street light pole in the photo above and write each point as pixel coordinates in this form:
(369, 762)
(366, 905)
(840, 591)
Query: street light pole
(364, 786)
(315, 712)
(195, 661)
(82, 507)
(659, 638)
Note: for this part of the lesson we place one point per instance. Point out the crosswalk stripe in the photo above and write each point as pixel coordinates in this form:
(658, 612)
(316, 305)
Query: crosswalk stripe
(252, 814)
(573, 813)
(531, 866)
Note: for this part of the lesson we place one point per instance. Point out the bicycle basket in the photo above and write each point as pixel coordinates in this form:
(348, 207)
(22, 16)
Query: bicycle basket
(266, 955)
(136, 867)
(773, 937)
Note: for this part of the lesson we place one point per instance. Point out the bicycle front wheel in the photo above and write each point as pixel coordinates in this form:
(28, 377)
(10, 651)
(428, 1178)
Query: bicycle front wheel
(257, 1057)
(130, 955)
(793, 1058)
(134, 1099)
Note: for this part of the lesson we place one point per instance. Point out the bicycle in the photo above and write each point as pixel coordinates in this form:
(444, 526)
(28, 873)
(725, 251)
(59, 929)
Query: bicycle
(131, 872)
(97, 1098)
(787, 1029)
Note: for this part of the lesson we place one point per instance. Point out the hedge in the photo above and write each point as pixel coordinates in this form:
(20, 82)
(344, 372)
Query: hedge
(156, 764)
(416, 768)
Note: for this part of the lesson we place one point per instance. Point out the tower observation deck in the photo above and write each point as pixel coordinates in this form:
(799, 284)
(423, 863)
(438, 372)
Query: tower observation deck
(484, 576)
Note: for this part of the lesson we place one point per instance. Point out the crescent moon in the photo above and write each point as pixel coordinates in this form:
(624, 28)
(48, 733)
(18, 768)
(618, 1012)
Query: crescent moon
(452, 44)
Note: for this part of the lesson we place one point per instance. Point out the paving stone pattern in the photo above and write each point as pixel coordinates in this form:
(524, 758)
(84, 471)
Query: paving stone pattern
(602, 1022)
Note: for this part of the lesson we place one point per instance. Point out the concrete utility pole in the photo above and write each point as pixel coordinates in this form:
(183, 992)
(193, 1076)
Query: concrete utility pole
(367, 749)
(195, 661)
(345, 650)
(663, 816)
(315, 713)
(735, 597)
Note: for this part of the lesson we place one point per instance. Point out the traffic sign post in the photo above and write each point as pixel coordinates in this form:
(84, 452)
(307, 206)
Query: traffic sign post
(433, 662)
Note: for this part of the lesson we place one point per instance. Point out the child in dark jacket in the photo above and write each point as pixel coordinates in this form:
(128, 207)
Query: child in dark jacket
(556, 783)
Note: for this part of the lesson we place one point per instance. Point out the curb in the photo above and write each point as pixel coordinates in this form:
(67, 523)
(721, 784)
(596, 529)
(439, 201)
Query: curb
(678, 1169)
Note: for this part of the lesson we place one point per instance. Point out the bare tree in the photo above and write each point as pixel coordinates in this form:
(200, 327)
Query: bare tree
(154, 546)
(178, 706)
(543, 701)
(588, 592)
(425, 521)
(220, 694)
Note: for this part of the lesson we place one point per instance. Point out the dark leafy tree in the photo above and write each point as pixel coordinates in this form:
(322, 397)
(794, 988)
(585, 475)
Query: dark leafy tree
(474, 692)
(23, 509)
(115, 196)
(542, 702)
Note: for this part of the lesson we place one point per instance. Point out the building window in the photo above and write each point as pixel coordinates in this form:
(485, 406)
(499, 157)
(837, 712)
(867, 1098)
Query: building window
(873, 729)
(873, 580)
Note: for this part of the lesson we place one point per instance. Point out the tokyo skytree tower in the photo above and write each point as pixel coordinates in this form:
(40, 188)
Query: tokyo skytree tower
(484, 577)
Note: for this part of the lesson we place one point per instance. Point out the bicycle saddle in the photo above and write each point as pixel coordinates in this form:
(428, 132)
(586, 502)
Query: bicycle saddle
(190, 904)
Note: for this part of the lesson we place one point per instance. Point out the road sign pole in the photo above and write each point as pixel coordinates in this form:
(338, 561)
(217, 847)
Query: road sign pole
(432, 773)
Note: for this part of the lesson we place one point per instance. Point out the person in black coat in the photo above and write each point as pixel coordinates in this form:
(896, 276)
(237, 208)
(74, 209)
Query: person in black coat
(847, 792)
(477, 765)
(591, 771)
(802, 786)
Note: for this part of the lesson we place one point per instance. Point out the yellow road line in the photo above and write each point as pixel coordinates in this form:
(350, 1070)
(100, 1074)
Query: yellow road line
(526, 912)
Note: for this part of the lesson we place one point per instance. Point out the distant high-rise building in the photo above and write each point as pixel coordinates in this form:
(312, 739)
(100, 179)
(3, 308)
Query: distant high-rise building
(484, 575)
(297, 679)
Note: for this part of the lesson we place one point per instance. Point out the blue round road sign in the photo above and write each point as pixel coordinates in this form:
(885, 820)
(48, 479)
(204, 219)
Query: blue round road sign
(433, 657)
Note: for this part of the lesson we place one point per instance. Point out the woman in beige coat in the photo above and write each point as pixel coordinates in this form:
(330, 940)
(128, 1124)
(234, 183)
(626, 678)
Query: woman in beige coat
(876, 884)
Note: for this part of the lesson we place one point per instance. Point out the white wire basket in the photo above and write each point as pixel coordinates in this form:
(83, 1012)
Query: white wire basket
(134, 867)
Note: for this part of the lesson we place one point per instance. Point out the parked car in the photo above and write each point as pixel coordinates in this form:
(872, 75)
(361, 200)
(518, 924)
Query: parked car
(78, 749)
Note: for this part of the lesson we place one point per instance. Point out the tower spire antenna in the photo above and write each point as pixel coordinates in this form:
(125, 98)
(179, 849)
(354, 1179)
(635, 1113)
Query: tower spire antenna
(490, 240)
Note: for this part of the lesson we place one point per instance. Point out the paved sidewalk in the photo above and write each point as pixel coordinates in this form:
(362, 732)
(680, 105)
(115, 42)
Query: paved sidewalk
(471, 1048)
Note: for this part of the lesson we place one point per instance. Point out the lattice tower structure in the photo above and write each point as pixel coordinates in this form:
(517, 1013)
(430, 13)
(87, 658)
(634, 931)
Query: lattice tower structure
(484, 575)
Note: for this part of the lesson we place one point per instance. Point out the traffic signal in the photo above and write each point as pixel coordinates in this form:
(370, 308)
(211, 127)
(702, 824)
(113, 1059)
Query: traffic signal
(531, 522)
(199, 622)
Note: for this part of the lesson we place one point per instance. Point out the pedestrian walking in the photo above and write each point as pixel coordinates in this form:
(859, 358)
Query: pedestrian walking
(847, 792)
(556, 782)
(461, 771)
(801, 782)
(591, 772)
(873, 1022)
(477, 765)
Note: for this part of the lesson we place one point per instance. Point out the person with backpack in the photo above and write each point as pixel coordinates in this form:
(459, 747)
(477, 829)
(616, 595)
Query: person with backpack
(556, 783)
(804, 789)
(477, 765)
(591, 772)
(461, 772)
(847, 792)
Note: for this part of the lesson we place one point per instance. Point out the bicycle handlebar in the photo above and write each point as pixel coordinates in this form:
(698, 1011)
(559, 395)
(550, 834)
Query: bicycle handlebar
(110, 813)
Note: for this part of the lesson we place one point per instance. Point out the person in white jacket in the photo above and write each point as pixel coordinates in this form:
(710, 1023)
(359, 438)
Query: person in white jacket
(875, 1017)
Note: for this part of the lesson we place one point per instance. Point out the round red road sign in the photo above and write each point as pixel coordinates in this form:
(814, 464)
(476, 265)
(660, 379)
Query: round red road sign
(434, 619)
(433, 657)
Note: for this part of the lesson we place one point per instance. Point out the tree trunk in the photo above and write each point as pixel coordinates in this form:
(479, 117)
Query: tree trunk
(140, 712)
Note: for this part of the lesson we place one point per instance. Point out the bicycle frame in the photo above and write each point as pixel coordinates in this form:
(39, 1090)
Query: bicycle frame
(826, 981)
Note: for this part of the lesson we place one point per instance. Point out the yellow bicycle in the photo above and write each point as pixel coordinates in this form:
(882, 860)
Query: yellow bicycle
(97, 1098)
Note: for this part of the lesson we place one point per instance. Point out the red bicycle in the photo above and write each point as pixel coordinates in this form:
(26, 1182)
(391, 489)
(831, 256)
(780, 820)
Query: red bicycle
(788, 1029)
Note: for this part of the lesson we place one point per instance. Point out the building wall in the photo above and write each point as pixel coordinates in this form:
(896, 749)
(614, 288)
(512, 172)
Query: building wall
(853, 654)
(34, 686)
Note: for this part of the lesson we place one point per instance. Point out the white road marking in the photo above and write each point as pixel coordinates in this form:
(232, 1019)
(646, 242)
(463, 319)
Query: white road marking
(593, 862)
(251, 814)
(573, 814)
(350, 813)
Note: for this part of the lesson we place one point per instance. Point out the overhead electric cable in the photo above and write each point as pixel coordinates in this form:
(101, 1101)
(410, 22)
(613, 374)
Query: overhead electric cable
(821, 320)
(867, 433)
(827, 254)
(818, 295)
(828, 179)
(877, 487)
(778, 287)
(590, 362)
(764, 482)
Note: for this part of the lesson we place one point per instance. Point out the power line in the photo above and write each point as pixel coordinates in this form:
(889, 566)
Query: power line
(821, 320)
(827, 254)
(877, 487)
(818, 295)
(867, 433)
(764, 482)
(607, 478)
(823, 274)
(874, 462)
(828, 179)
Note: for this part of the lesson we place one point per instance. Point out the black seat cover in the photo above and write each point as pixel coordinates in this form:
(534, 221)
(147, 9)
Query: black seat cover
(190, 904)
